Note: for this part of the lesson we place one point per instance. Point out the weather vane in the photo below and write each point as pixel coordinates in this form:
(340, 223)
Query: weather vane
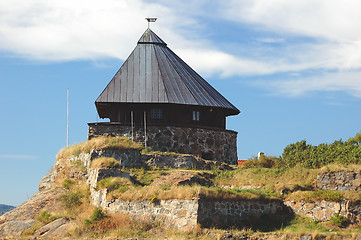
(150, 20)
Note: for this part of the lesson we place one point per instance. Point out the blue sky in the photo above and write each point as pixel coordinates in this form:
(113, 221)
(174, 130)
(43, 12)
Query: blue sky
(293, 68)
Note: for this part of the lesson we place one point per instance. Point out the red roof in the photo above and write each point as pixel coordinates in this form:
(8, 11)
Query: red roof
(240, 162)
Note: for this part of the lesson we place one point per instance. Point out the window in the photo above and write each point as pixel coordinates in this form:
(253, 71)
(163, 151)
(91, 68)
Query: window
(156, 113)
(195, 115)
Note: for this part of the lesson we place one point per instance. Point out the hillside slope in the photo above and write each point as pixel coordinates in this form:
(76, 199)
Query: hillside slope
(95, 170)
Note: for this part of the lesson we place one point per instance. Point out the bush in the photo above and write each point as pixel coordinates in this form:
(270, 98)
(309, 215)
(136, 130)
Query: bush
(97, 215)
(71, 199)
(79, 165)
(114, 183)
(339, 221)
(67, 183)
(306, 155)
(263, 162)
(46, 217)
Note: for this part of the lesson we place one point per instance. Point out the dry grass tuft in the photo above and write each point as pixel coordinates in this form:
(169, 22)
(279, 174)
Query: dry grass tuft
(341, 167)
(103, 142)
(105, 162)
(265, 177)
(118, 184)
(327, 195)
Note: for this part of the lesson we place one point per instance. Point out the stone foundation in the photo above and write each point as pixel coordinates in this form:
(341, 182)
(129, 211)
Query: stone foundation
(340, 180)
(227, 213)
(207, 143)
(187, 214)
(181, 214)
(324, 210)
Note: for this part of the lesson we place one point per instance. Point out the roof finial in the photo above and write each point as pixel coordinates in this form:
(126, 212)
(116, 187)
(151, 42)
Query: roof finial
(149, 19)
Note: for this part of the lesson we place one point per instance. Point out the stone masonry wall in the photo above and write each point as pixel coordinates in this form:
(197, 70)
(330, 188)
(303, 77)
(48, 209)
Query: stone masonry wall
(323, 210)
(339, 180)
(226, 213)
(210, 144)
(188, 213)
(181, 214)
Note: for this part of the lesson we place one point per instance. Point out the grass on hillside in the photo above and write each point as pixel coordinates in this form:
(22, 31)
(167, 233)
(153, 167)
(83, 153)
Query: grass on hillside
(341, 167)
(105, 162)
(148, 151)
(297, 183)
(327, 195)
(274, 179)
(103, 142)
(150, 184)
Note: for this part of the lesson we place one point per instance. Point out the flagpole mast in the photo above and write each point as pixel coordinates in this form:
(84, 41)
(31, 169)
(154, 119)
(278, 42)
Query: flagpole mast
(67, 117)
(145, 129)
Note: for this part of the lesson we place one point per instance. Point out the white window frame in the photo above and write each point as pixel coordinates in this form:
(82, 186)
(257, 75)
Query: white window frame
(196, 116)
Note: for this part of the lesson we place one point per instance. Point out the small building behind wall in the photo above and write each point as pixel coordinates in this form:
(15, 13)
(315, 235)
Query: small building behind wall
(181, 111)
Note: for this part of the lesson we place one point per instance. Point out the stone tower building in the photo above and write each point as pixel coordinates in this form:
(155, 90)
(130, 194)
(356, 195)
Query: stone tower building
(157, 99)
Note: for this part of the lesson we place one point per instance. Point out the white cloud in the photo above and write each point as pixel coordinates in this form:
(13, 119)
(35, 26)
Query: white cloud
(271, 40)
(65, 30)
(89, 29)
(349, 82)
(332, 24)
(329, 19)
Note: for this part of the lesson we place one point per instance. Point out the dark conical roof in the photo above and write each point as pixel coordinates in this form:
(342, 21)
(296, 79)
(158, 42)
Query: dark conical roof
(155, 74)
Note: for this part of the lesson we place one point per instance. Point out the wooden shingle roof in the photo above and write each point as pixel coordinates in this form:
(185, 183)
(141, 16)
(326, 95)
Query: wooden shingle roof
(155, 74)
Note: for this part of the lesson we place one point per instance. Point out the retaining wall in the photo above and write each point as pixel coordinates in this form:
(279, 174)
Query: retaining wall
(208, 143)
(340, 180)
(324, 210)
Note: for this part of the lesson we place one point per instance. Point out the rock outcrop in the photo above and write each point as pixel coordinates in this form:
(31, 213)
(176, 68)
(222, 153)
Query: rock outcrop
(15, 228)
(13, 223)
(179, 213)
(29, 210)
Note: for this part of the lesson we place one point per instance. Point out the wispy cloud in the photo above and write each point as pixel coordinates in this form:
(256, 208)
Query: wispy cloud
(336, 45)
(90, 29)
(16, 156)
(349, 82)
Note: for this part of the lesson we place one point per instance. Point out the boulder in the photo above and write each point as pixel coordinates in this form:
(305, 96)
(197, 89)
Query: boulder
(61, 231)
(15, 228)
(45, 200)
(50, 227)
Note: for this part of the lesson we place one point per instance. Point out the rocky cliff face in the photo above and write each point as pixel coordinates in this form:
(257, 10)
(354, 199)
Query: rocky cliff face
(178, 213)
(13, 223)
(77, 168)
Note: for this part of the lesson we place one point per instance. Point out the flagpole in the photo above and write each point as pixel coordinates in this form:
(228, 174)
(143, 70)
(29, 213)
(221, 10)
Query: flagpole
(67, 117)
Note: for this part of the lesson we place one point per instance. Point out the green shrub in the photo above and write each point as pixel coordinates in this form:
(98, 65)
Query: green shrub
(165, 187)
(71, 199)
(79, 165)
(114, 183)
(97, 215)
(306, 155)
(263, 162)
(46, 217)
(67, 183)
(339, 221)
